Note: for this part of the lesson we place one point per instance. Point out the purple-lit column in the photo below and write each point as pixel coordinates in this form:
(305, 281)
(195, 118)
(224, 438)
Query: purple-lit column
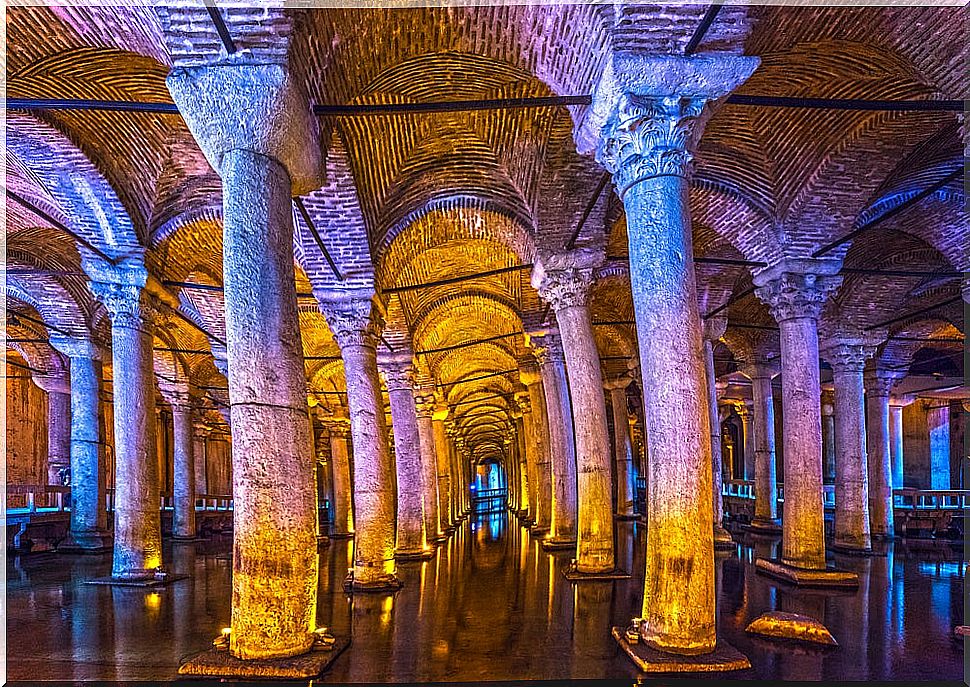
(896, 405)
(763, 444)
(644, 132)
(338, 426)
(552, 367)
(88, 514)
(879, 384)
(58, 388)
(183, 473)
(795, 291)
(424, 406)
(353, 320)
(540, 466)
(714, 329)
(622, 448)
(137, 520)
(564, 281)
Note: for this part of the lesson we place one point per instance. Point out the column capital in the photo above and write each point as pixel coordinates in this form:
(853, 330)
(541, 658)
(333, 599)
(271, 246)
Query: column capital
(128, 305)
(795, 289)
(235, 104)
(647, 111)
(880, 382)
(337, 425)
(523, 402)
(564, 279)
(617, 382)
(398, 371)
(355, 319)
(715, 327)
(529, 372)
(424, 404)
(760, 368)
(176, 394)
(546, 346)
(827, 398)
(75, 347)
(847, 348)
(58, 382)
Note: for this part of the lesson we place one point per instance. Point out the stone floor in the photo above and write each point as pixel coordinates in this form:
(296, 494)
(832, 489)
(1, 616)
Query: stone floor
(490, 606)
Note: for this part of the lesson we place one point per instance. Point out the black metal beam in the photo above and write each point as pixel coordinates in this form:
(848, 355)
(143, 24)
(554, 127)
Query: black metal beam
(31, 318)
(913, 200)
(729, 302)
(847, 103)
(588, 210)
(221, 27)
(217, 289)
(98, 105)
(456, 280)
(916, 313)
(47, 218)
(449, 106)
(444, 349)
(695, 40)
(480, 377)
(25, 367)
(946, 274)
(316, 237)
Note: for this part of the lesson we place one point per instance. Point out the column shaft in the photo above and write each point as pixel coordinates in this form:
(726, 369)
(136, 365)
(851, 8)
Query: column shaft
(721, 536)
(445, 516)
(183, 488)
(275, 563)
(851, 471)
(87, 478)
(880, 463)
(343, 510)
(543, 458)
(622, 451)
(411, 536)
(429, 472)
(58, 435)
(896, 444)
(763, 439)
(561, 447)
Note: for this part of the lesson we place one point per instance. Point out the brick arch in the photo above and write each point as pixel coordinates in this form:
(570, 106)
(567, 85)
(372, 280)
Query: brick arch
(169, 365)
(900, 353)
(55, 304)
(86, 200)
(39, 355)
(189, 242)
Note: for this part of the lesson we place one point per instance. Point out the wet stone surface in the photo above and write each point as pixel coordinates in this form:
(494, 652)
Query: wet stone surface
(491, 605)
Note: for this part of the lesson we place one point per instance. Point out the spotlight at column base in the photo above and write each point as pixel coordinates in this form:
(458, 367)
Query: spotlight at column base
(765, 526)
(220, 663)
(804, 577)
(573, 574)
(558, 543)
(724, 658)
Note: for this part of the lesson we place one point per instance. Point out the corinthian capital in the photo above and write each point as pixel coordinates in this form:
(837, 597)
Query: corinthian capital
(398, 372)
(714, 328)
(847, 348)
(354, 321)
(128, 305)
(797, 288)
(546, 347)
(563, 280)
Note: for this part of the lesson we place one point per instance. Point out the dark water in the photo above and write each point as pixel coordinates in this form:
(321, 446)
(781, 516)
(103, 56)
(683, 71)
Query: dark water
(491, 605)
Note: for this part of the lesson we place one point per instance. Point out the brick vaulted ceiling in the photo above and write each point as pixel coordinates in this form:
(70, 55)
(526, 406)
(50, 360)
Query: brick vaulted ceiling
(418, 198)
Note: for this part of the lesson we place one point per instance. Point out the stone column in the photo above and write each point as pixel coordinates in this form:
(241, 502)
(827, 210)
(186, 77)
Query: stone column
(354, 322)
(338, 426)
(763, 440)
(552, 368)
(524, 477)
(879, 384)
(398, 374)
(795, 292)
(847, 353)
(828, 437)
(252, 122)
(137, 520)
(200, 450)
(540, 473)
(183, 472)
(424, 405)
(896, 406)
(445, 518)
(564, 281)
(455, 501)
(622, 448)
(88, 479)
(58, 388)
(713, 330)
(744, 410)
(644, 133)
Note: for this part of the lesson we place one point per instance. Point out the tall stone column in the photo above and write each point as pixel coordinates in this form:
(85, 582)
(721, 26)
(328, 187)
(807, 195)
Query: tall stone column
(445, 515)
(879, 384)
(828, 437)
(424, 405)
(183, 483)
(58, 388)
(847, 353)
(200, 433)
(137, 520)
(88, 479)
(398, 374)
(795, 292)
(744, 410)
(552, 368)
(896, 406)
(622, 448)
(540, 467)
(456, 479)
(524, 485)
(644, 133)
(564, 282)
(713, 330)
(354, 322)
(339, 429)
(253, 123)
(763, 444)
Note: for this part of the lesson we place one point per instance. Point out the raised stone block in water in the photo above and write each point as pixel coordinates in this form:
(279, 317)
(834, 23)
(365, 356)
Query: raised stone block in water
(791, 626)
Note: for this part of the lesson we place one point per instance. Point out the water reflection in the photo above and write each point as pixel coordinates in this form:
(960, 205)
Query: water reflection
(491, 605)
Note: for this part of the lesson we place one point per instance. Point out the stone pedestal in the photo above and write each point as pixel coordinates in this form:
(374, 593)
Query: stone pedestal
(88, 515)
(564, 281)
(252, 122)
(795, 292)
(644, 131)
(353, 321)
(552, 367)
(137, 521)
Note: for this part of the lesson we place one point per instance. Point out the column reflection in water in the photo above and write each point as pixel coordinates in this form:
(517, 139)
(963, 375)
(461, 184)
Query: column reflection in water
(807, 663)
(591, 623)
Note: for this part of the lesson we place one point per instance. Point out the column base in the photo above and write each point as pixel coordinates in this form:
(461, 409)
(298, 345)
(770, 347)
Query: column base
(323, 541)
(626, 516)
(765, 526)
(573, 574)
(93, 543)
(722, 539)
(341, 535)
(845, 550)
(723, 659)
(805, 577)
(220, 663)
(414, 554)
(538, 531)
(441, 538)
(143, 582)
(185, 540)
(386, 583)
(558, 543)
